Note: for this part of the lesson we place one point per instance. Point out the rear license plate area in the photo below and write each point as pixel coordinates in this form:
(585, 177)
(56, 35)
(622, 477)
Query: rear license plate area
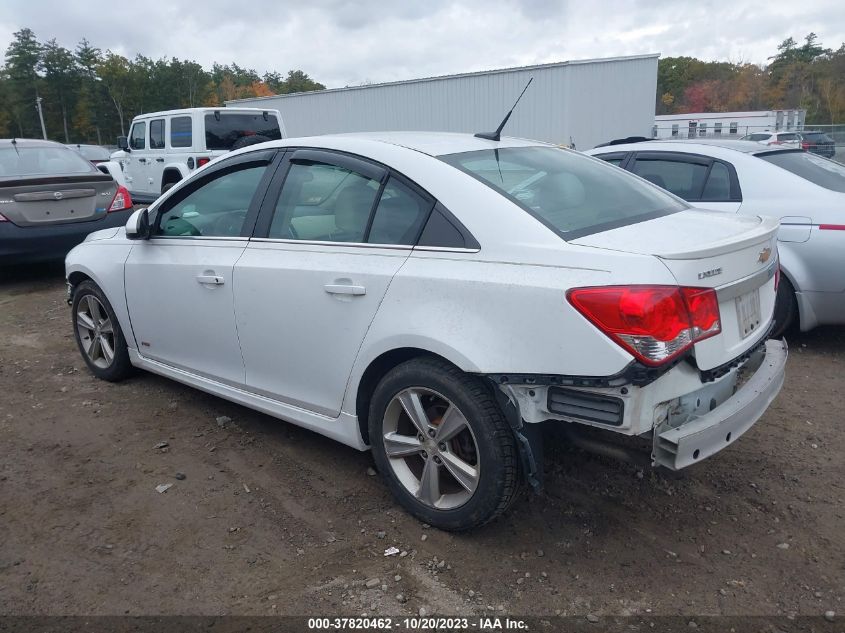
(748, 313)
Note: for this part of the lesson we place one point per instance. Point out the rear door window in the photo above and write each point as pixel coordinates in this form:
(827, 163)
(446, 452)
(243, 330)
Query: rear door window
(181, 131)
(683, 178)
(400, 215)
(324, 203)
(819, 171)
(138, 135)
(223, 129)
(157, 134)
(718, 185)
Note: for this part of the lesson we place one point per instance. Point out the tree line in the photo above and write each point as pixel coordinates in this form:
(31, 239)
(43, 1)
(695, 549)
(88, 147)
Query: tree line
(806, 76)
(89, 96)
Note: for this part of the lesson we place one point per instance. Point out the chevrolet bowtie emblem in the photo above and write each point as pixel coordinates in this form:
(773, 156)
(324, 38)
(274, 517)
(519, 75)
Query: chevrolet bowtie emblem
(764, 255)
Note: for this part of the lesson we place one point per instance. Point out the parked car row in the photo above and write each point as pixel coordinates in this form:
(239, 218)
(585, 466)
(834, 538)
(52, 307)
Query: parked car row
(812, 141)
(804, 191)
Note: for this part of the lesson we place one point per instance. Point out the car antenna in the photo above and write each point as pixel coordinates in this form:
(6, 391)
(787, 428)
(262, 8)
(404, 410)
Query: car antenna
(15, 145)
(497, 135)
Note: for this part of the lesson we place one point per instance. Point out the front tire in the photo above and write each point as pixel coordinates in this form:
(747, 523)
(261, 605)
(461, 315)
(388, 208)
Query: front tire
(443, 445)
(98, 334)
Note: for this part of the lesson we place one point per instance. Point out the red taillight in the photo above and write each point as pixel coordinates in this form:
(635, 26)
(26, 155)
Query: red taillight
(654, 323)
(831, 227)
(805, 145)
(203, 161)
(121, 200)
(777, 278)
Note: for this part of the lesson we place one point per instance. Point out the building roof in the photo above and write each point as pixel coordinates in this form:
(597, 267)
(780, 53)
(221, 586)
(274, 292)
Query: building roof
(479, 73)
(722, 115)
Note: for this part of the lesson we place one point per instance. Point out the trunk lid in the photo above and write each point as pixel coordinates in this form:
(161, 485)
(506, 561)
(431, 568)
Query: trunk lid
(42, 201)
(736, 255)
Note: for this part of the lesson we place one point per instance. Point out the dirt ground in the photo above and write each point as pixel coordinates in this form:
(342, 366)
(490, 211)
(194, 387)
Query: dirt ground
(272, 519)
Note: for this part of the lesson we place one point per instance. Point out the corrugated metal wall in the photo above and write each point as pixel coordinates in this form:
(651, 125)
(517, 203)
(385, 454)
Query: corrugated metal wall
(590, 102)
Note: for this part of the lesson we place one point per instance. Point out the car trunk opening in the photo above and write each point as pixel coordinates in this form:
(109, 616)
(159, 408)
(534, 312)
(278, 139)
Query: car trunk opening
(44, 201)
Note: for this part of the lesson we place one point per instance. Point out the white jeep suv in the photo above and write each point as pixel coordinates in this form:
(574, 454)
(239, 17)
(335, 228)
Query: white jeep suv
(165, 147)
(435, 297)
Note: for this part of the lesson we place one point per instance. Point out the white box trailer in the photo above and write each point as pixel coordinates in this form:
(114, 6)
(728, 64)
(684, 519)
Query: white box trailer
(735, 124)
(584, 102)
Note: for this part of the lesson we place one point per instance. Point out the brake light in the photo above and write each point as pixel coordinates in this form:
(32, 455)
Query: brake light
(831, 227)
(805, 145)
(654, 323)
(121, 200)
(203, 161)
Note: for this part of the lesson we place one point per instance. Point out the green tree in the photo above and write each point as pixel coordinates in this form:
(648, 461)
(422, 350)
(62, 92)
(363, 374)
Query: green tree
(22, 59)
(61, 80)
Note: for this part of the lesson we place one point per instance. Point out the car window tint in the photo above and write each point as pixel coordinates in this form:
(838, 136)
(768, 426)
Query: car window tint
(440, 232)
(812, 167)
(181, 132)
(681, 178)
(217, 208)
(137, 136)
(718, 186)
(756, 137)
(399, 216)
(567, 191)
(613, 160)
(223, 129)
(157, 134)
(787, 137)
(321, 202)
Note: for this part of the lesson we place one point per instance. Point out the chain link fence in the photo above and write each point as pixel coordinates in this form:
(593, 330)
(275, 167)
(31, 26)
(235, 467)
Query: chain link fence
(835, 132)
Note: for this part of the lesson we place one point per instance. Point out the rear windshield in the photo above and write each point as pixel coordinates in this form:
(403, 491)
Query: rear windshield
(817, 137)
(755, 137)
(41, 161)
(820, 171)
(570, 193)
(92, 152)
(223, 129)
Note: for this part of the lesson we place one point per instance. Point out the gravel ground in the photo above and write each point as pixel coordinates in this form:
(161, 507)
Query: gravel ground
(265, 518)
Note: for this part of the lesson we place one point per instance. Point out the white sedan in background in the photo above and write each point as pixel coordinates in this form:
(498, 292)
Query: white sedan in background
(436, 296)
(804, 191)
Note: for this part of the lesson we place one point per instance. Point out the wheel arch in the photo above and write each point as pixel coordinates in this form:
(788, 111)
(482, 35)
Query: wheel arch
(172, 174)
(377, 369)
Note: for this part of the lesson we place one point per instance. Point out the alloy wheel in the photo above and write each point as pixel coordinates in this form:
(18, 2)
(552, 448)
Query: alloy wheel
(431, 448)
(96, 332)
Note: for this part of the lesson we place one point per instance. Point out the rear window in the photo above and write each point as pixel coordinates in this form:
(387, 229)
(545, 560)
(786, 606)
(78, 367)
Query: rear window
(756, 137)
(570, 193)
(41, 161)
(223, 129)
(91, 152)
(820, 171)
(181, 132)
(817, 137)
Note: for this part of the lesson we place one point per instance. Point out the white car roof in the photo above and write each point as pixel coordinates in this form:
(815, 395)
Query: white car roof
(186, 111)
(700, 145)
(430, 143)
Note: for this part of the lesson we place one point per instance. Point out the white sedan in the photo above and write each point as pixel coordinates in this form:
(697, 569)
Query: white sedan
(804, 191)
(434, 297)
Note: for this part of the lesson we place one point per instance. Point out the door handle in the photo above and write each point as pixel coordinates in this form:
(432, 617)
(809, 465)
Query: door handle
(345, 289)
(213, 280)
(159, 160)
(142, 160)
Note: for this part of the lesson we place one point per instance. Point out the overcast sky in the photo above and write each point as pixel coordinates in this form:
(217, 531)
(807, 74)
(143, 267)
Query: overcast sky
(347, 42)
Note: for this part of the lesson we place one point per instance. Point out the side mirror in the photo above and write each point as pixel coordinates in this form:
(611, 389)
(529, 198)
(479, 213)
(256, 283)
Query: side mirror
(138, 225)
(123, 143)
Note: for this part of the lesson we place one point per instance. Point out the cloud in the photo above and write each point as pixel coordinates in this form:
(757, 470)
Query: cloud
(345, 43)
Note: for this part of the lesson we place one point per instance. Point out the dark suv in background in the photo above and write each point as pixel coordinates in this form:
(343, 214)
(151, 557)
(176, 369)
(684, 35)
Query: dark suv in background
(818, 143)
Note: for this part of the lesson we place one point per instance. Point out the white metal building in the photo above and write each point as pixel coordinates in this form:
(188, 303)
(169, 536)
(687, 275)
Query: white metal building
(694, 124)
(586, 102)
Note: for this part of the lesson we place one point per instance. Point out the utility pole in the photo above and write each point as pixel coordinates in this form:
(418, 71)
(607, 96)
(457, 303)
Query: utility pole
(38, 101)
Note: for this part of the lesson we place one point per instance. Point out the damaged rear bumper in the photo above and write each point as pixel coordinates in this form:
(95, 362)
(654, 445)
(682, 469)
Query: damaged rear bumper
(677, 447)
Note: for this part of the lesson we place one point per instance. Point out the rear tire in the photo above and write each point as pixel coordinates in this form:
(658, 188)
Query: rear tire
(98, 334)
(786, 308)
(454, 464)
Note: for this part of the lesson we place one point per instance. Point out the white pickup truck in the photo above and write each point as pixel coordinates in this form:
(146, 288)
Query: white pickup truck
(164, 147)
